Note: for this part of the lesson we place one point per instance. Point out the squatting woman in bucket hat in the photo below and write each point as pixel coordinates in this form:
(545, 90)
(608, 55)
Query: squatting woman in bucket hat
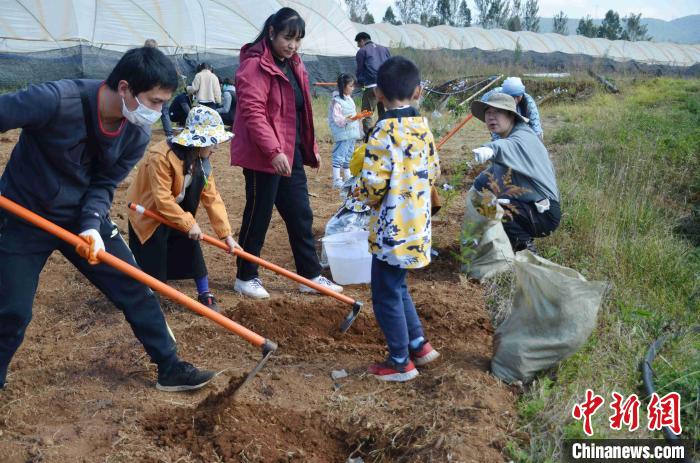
(173, 178)
(520, 152)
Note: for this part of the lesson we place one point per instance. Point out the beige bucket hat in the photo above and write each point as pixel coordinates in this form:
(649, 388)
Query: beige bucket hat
(499, 101)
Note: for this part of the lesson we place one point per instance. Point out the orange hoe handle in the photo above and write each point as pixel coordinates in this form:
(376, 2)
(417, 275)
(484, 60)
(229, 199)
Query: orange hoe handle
(451, 133)
(325, 84)
(249, 257)
(137, 274)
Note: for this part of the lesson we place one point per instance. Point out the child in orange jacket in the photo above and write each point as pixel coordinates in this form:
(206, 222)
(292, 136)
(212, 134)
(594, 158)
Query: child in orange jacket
(172, 180)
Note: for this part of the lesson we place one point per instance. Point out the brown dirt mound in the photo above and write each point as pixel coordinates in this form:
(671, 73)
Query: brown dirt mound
(306, 325)
(246, 432)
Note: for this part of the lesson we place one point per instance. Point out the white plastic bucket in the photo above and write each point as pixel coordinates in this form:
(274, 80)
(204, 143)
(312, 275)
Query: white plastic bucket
(349, 257)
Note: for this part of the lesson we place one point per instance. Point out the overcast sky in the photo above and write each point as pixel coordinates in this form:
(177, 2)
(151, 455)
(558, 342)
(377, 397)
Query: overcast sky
(667, 10)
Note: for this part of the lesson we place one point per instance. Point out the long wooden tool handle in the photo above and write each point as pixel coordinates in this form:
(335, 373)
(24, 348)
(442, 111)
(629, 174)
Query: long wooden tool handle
(134, 272)
(249, 257)
(453, 131)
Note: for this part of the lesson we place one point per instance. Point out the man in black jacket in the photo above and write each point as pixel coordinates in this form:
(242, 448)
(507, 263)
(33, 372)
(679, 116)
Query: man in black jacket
(79, 140)
(369, 58)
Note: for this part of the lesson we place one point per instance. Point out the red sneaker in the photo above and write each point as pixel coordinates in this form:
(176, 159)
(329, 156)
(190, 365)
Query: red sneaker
(389, 370)
(424, 355)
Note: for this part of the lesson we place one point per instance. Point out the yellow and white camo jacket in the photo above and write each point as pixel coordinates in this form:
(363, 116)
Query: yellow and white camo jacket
(400, 165)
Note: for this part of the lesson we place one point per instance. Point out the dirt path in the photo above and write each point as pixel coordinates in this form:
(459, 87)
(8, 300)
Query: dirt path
(81, 386)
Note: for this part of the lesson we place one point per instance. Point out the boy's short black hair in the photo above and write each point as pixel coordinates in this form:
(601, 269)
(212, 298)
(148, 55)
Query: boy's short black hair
(398, 78)
(144, 68)
(362, 36)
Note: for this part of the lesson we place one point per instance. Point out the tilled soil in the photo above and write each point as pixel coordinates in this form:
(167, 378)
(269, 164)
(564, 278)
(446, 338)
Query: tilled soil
(81, 387)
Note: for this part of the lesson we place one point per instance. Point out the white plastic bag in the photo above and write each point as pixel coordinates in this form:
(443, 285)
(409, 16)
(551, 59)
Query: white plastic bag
(554, 312)
(351, 216)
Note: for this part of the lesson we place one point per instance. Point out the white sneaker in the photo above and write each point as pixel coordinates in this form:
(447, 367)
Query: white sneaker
(323, 281)
(251, 288)
(338, 183)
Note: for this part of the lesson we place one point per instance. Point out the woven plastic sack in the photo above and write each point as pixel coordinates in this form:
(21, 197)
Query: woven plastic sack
(554, 312)
(485, 246)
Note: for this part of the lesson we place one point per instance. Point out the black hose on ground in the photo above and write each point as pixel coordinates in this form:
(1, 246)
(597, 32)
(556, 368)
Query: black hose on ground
(648, 377)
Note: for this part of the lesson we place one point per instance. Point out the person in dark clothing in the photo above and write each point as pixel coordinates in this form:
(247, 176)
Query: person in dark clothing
(228, 102)
(165, 110)
(180, 108)
(369, 58)
(274, 139)
(79, 140)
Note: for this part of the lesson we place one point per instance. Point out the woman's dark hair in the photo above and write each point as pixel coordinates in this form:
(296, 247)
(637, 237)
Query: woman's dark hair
(203, 66)
(522, 106)
(144, 68)
(343, 80)
(187, 154)
(285, 20)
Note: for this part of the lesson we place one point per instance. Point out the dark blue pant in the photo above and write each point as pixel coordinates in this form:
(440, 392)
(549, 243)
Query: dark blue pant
(24, 250)
(393, 307)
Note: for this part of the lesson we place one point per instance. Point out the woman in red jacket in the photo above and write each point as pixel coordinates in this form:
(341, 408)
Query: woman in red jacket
(274, 139)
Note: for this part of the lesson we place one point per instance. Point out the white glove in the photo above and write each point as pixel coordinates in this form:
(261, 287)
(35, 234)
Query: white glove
(542, 206)
(94, 239)
(231, 243)
(194, 233)
(483, 154)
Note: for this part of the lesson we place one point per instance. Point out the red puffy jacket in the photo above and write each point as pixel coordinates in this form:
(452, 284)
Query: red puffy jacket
(265, 122)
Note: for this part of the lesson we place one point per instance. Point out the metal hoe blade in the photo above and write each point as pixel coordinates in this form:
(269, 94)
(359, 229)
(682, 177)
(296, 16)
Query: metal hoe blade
(350, 318)
(268, 349)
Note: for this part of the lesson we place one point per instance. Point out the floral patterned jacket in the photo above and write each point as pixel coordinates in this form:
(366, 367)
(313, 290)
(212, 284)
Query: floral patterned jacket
(400, 165)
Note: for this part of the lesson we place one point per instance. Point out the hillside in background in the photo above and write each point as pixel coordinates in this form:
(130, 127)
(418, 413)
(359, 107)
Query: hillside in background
(680, 30)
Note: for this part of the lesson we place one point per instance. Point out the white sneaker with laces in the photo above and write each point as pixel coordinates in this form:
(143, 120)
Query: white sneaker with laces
(251, 288)
(323, 281)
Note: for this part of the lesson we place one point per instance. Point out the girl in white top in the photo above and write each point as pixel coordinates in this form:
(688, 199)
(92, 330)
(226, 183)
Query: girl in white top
(344, 130)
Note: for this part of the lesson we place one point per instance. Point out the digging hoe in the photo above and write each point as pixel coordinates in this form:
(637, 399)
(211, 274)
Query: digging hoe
(83, 248)
(356, 305)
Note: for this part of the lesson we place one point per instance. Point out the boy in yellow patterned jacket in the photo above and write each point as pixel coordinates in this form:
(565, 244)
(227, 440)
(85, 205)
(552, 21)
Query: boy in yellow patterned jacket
(400, 165)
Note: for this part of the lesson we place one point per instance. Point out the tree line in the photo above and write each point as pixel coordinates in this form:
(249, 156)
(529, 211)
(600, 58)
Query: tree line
(513, 15)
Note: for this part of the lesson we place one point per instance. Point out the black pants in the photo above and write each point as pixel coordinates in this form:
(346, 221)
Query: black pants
(291, 198)
(24, 250)
(168, 254)
(370, 103)
(528, 223)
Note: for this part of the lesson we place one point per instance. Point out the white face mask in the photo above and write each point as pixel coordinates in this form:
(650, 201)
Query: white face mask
(142, 115)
